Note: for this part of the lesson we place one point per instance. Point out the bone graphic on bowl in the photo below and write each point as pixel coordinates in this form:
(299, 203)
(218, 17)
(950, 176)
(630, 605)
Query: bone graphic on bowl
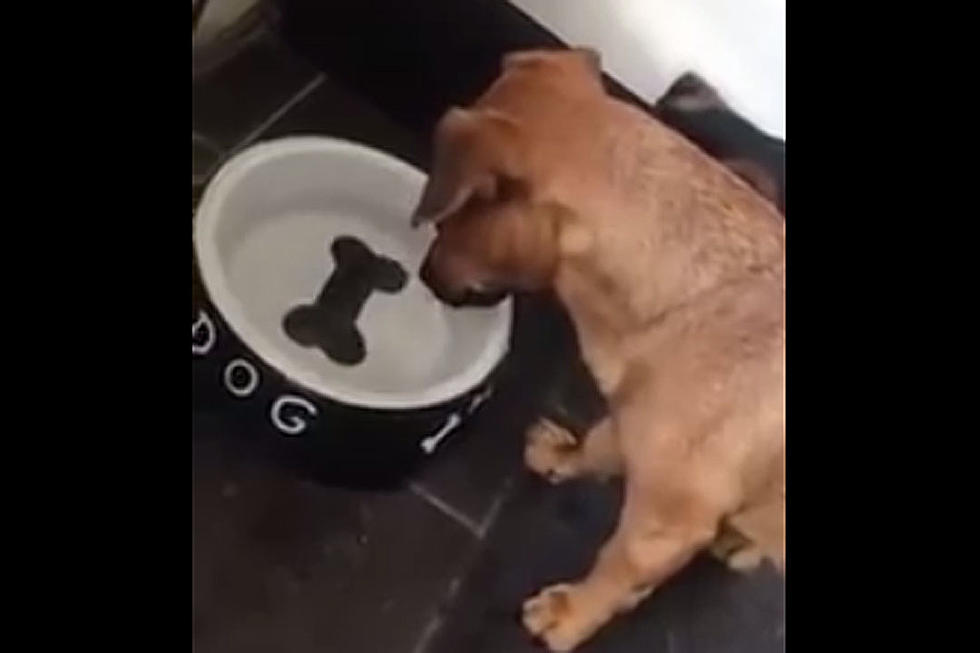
(330, 322)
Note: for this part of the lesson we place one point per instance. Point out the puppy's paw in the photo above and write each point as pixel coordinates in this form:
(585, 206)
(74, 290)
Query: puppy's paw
(738, 553)
(550, 617)
(551, 451)
(745, 560)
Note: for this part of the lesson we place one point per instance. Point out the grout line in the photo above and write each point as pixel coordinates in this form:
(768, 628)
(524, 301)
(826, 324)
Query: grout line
(446, 509)
(430, 630)
(494, 511)
(278, 113)
(435, 623)
(219, 155)
(207, 142)
(224, 155)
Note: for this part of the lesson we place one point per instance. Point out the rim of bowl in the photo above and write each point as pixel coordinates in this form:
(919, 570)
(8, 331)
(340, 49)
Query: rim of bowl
(213, 277)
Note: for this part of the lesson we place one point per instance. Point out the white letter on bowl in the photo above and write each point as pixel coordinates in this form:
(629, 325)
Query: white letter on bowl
(250, 385)
(294, 425)
(203, 322)
(430, 443)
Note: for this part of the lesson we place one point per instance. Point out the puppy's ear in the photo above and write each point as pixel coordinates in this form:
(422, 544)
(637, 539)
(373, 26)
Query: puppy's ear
(474, 150)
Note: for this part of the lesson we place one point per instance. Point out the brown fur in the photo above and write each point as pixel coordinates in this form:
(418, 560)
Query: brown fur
(672, 270)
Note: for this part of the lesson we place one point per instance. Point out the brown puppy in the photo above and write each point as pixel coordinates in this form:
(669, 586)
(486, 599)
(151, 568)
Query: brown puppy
(671, 268)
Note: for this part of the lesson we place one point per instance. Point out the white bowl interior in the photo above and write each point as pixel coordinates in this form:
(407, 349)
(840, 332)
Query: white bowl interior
(262, 235)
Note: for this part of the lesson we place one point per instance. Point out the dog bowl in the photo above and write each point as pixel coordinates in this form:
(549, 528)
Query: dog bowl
(313, 325)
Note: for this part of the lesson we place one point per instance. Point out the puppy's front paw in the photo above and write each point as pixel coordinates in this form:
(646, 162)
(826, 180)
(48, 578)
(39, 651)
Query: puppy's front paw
(551, 451)
(549, 616)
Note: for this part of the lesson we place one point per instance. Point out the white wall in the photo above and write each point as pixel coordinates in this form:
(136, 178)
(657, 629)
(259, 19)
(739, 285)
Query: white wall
(739, 46)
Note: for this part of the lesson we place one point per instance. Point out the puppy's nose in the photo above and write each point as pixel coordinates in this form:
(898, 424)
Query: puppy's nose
(441, 290)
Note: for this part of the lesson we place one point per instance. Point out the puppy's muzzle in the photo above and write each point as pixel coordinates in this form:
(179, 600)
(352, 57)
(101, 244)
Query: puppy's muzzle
(457, 296)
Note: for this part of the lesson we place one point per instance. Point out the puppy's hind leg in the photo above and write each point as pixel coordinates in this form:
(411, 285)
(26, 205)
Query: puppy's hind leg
(662, 526)
(735, 550)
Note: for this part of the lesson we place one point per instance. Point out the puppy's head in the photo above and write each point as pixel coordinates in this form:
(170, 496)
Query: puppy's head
(491, 247)
(494, 233)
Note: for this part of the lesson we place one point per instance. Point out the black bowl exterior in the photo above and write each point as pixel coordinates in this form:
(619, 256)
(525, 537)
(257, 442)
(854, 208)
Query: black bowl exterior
(334, 443)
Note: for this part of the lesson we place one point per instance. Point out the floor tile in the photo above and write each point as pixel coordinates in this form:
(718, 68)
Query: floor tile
(412, 58)
(205, 155)
(333, 110)
(281, 564)
(234, 99)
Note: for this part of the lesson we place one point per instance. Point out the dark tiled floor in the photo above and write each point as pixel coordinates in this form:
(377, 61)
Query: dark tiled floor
(550, 534)
(442, 565)
(230, 102)
(332, 110)
(281, 564)
(205, 156)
